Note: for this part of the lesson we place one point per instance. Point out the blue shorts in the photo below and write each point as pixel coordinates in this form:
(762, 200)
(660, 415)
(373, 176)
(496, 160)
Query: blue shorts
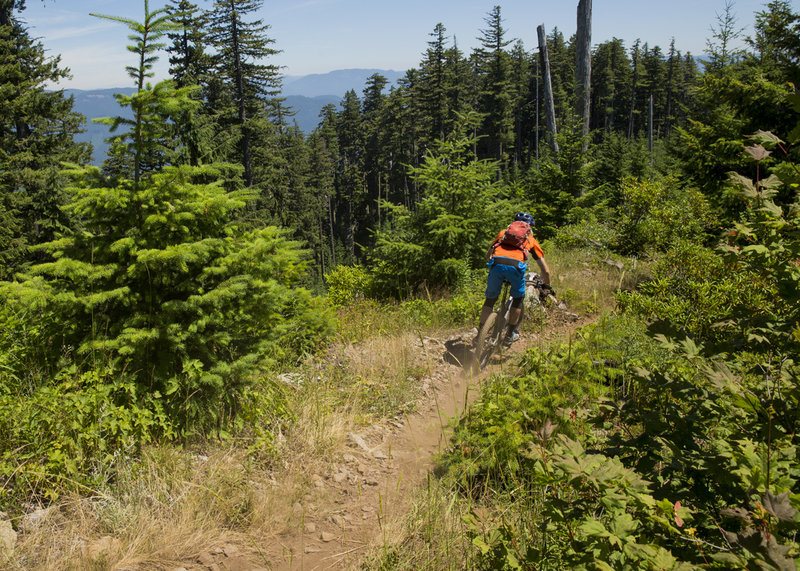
(499, 273)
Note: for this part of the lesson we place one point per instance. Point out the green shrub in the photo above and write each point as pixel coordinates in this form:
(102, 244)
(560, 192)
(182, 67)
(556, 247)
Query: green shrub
(347, 284)
(554, 385)
(694, 289)
(447, 233)
(69, 433)
(586, 233)
(653, 216)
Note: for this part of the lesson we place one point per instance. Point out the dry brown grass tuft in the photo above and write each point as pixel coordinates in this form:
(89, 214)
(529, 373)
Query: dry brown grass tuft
(430, 536)
(167, 509)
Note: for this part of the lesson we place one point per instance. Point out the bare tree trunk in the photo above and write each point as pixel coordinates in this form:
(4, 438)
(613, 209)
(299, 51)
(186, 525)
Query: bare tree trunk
(670, 73)
(583, 67)
(635, 66)
(351, 228)
(378, 202)
(333, 242)
(650, 129)
(550, 107)
(321, 227)
(536, 139)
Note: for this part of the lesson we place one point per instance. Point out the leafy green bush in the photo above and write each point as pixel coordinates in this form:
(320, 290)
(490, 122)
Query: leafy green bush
(347, 284)
(555, 385)
(68, 435)
(695, 290)
(582, 510)
(586, 233)
(652, 216)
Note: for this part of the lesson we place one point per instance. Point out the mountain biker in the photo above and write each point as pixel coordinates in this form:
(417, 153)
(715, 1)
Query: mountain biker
(507, 261)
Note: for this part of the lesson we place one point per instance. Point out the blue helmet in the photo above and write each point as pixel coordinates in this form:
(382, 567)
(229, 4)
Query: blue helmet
(524, 217)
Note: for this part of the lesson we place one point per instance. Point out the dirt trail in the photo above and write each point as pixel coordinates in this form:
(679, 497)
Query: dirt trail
(371, 482)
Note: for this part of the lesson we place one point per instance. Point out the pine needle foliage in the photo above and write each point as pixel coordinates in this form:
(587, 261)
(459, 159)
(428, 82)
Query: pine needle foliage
(163, 282)
(36, 133)
(147, 145)
(448, 232)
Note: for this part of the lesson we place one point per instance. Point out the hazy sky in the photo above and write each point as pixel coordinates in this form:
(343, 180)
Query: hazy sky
(317, 36)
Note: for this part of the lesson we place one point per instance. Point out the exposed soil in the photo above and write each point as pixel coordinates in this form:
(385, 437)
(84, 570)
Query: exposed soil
(372, 481)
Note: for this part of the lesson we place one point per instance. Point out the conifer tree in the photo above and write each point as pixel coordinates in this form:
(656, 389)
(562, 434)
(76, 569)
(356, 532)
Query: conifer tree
(189, 62)
(434, 84)
(461, 92)
(736, 96)
(445, 234)
(190, 65)
(350, 180)
(163, 281)
(776, 41)
(405, 137)
(321, 173)
(37, 127)
(241, 47)
(611, 69)
(493, 68)
(720, 49)
(375, 129)
(150, 140)
(562, 68)
(654, 82)
(522, 85)
(634, 86)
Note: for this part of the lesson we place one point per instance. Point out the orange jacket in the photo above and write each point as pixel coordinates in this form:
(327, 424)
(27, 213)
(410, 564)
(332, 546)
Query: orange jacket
(531, 245)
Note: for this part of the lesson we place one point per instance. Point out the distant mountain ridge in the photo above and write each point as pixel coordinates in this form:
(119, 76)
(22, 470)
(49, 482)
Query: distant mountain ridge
(336, 82)
(306, 95)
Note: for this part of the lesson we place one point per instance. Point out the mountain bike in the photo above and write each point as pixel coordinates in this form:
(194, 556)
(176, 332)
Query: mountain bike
(490, 336)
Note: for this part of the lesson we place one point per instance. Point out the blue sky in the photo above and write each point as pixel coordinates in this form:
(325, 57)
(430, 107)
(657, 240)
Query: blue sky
(317, 36)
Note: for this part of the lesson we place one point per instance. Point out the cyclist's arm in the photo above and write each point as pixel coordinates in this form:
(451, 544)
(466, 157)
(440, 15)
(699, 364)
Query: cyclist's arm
(545, 271)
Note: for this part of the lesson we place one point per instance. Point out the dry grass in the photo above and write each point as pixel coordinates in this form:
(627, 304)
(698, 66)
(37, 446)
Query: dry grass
(587, 281)
(163, 509)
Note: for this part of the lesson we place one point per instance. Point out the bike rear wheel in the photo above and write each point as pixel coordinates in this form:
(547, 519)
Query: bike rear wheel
(490, 337)
(484, 344)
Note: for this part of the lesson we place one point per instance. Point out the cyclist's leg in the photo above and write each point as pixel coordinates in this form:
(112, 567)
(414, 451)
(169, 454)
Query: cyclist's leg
(516, 278)
(514, 317)
(494, 284)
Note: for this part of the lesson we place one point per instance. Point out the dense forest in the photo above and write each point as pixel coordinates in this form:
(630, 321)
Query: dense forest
(154, 300)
